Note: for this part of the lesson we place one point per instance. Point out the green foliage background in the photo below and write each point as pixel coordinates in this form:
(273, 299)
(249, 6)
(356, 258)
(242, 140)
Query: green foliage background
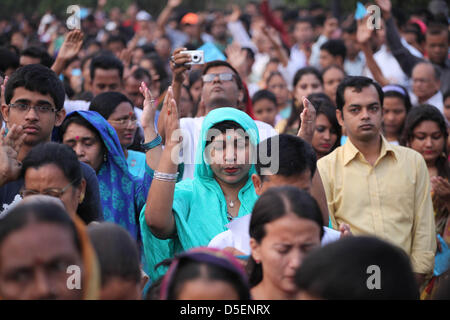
(39, 7)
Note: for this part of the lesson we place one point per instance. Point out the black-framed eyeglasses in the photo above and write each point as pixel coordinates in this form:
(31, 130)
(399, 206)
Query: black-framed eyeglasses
(24, 108)
(53, 192)
(209, 77)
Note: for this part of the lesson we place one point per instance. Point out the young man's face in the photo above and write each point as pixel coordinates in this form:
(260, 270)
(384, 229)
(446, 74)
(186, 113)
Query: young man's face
(263, 183)
(436, 46)
(219, 93)
(106, 80)
(362, 114)
(132, 86)
(37, 125)
(265, 110)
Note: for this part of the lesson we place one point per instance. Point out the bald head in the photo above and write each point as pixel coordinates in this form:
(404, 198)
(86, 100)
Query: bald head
(426, 81)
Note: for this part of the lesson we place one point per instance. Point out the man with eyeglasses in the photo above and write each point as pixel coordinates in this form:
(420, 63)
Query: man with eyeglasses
(425, 85)
(222, 87)
(32, 106)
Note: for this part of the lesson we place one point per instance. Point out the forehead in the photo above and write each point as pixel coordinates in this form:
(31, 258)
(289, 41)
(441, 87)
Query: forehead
(333, 73)
(441, 37)
(220, 69)
(427, 126)
(301, 181)
(308, 78)
(107, 75)
(291, 228)
(21, 93)
(123, 108)
(262, 103)
(365, 96)
(74, 130)
(423, 69)
(44, 174)
(229, 134)
(36, 242)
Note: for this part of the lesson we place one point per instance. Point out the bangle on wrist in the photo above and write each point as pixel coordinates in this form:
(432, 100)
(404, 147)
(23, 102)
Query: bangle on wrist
(152, 144)
(168, 177)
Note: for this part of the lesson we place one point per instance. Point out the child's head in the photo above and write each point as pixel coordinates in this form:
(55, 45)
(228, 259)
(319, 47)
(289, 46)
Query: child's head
(265, 106)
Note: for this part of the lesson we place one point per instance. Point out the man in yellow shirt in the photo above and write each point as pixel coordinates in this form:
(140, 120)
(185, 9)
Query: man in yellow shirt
(377, 188)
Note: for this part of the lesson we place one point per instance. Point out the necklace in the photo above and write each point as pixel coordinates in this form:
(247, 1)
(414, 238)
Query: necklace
(230, 217)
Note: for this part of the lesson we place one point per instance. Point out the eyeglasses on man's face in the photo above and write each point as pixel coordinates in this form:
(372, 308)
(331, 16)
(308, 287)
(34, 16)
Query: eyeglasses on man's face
(209, 77)
(25, 108)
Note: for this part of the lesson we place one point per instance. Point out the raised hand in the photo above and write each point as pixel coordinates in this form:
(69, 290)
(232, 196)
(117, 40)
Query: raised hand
(71, 45)
(235, 55)
(9, 149)
(363, 32)
(307, 121)
(174, 3)
(149, 111)
(178, 64)
(171, 121)
(385, 6)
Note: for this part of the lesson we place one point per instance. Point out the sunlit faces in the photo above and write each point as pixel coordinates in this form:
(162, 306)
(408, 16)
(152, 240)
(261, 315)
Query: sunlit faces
(206, 289)
(50, 178)
(218, 93)
(106, 80)
(394, 114)
(324, 137)
(361, 115)
(86, 144)
(331, 79)
(37, 126)
(265, 110)
(286, 242)
(229, 156)
(263, 183)
(428, 140)
(34, 262)
(123, 120)
(307, 84)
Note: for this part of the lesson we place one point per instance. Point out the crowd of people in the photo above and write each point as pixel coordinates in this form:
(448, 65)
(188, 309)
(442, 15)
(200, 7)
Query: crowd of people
(304, 152)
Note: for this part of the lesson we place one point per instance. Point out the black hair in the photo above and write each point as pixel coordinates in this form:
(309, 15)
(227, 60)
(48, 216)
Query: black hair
(189, 269)
(295, 112)
(220, 63)
(273, 74)
(222, 126)
(79, 120)
(106, 61)
(308, 20)
(8, 59)
(54, 153)
(332, 66)
(342, 270)
(141, 74)
(116, 38)
(36, 77)
(117, 252)
(427, 112)
(274, 204)
(25, 214)
(194, 76)
(336, 47)
(329, 111)
(295, 155)
(39, 53)
(446, 95)
(107, 102)
(250, 53)
(159, 66)
(404, 97)
(264, 94)
(357, 82)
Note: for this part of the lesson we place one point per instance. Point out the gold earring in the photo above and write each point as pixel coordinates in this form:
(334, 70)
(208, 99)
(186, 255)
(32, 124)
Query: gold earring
(81, 198)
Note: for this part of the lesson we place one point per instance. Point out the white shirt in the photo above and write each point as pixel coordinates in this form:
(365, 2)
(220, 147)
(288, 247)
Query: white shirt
(238, 236)
(191, 129)
(76, 105)
(437, 100)
(389, 67)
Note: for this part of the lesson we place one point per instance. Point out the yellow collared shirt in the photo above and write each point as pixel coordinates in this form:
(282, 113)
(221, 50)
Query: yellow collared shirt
(390, 200)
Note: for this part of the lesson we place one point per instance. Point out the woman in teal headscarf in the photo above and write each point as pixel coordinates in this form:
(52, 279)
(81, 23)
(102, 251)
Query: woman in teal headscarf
(96, 143)
(190, 213)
